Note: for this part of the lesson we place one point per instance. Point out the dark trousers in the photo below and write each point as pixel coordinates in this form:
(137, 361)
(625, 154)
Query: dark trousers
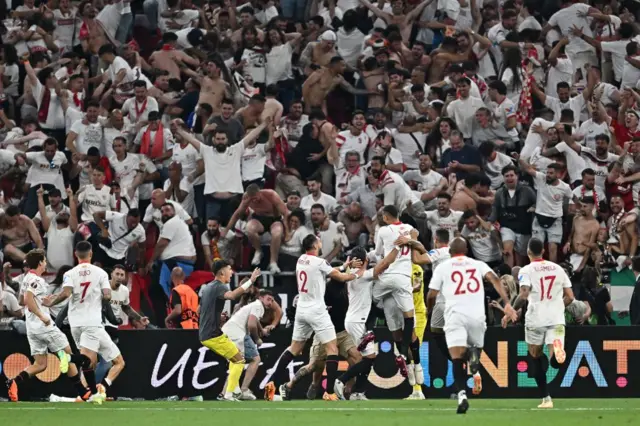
(30, 206)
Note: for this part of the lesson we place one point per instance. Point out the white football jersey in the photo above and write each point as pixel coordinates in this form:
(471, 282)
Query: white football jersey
(87, 282)
(237, 326)
(459, 280)
(119, 298)
(450, 223)
(38, 287)
(311, 275)
(437, 256)
(387, 235)
(360, 296)
(547, 282)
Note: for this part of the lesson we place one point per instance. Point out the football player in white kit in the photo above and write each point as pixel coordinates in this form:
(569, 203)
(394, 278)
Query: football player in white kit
(359, 291)
(88, 285)
(394, 287)
(42, 333)
(312, 273)
(460, 281)
(547, 288)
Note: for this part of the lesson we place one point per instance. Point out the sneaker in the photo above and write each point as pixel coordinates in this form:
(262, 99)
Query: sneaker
(401, 363)
(330, 397)
(338, 387)
(101, 390)
(273, 268)
(64, 361)
(55, 398)
(366, 339)
(257, 258)
(463, 406)
(546, 403)
(358, 396)
(419, 395)
(269, 391)
(312, 392)
(230, 398)
(411, 374)
(419, 374)
(247, 396)
(411, 397)
(477, 384)
(285, 392)
(13, 390)
(558, 351)
(96, 398)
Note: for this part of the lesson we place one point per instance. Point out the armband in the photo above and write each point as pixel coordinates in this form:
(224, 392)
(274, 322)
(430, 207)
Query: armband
(247, 285)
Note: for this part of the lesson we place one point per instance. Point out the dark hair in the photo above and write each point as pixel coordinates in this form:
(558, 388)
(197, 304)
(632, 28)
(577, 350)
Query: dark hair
(635, 263)
(44, 74)
(391, 211)
(308, 242)
(50, 141)
(34, 258)
(318, 206)
(442, 235)
(140, 83)
(487, 148)
(563, 85)
(499, 86)
(555, 166)
(218, 265)
(444, 195)
(512, 60)
(317, 114)
(133, 213)
(118, 266)
(93, 103)
(83, 248)
(588, 171)
(105, 48)
(169, 37)
(12, 211)
(10, 54)
(359, 253)
(536, 246)
(378, 159)
(299, 213)
(602, 137)
(335, 60)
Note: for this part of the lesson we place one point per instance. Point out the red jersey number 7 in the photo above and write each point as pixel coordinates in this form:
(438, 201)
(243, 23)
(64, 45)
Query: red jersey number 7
(85, 286)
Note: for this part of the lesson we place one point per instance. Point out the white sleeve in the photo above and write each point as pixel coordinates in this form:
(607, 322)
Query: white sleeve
(524, 279)
(148, 214)
(127, 301)
(325, 268)
(66, 281)
(104, 281)
(167, 231)
(182, 213)
(436, 279)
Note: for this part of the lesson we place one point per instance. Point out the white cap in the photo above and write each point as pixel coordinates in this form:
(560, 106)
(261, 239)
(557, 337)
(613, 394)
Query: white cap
(329, 36)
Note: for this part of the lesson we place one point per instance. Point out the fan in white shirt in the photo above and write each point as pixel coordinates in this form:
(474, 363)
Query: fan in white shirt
(120, 302)
(494, 163)
(460, 280)
(316, 196)
(95, 197)
(463, 109)
(154, 210)
(119, 72)
(394, 189)
(444, 217)
(86, 133)
(139, 107)
(354, 139)
(547, 288)
(178, 188)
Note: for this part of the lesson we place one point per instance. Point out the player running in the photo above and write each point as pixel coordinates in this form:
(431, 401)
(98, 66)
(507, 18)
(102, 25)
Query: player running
(359, 291)
(213, 297)
(547, 289)
(88, 286)
(394, 288)
(311, 314)
(42, 334)
(246, 321)
(460, 281)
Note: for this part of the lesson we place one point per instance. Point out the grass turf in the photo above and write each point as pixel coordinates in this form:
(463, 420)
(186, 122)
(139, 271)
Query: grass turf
(483, 412)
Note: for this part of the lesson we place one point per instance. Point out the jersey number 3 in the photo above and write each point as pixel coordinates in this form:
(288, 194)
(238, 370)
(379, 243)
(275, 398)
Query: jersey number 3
(472, 284)
(302, 282)
(85, 286)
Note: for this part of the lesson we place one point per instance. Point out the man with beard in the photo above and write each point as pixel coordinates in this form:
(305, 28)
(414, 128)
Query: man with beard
(120, 241)
(86, 133)
(461, 159)
(46, 170)
(574, 162)
(174, 248)
(55, 207)
(430, 182)
(395, 190)
(379, 122)
(584, 233)
(214, 246)
(120, 303)
(588, 188)
(225, 122)
(512, 211)
(623, 236)
(213, 88)
(483, 239)
(444, 217)
(382, 146)
(222, 165)
(547, 224)
(140, 106)
(294, 122)
(268, 211)
(353, 139)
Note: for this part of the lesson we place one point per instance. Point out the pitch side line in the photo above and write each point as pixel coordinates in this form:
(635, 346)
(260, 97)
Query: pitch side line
(337, 409)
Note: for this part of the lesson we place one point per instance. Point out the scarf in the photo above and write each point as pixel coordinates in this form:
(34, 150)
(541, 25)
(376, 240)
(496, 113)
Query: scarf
(595, 197)
(346, 189)
(140, 111)
(43, 111)
(524, 114)
(215, 251)
(167, 47)
(615, 220)
(156, 149)
(279, 153)
(77, 101)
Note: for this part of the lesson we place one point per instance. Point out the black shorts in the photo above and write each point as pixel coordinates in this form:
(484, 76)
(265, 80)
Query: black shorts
(107, 262)
(266, 221)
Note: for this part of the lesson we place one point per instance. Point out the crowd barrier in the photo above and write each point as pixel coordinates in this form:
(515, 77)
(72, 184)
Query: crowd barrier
(601, 362)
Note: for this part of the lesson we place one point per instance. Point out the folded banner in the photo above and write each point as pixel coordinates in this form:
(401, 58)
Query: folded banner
(601, 362)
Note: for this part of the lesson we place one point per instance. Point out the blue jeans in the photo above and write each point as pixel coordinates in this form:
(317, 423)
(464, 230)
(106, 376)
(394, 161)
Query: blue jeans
(125, 27)
(220, 208)
(293, 9)
(151, 11)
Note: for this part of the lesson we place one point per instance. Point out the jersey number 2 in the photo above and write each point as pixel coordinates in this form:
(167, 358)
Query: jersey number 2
(551, 279)
(472, 284)
(302, 282)
(85, 286)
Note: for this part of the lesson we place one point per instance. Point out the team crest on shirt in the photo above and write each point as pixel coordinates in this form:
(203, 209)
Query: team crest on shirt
(557, 197)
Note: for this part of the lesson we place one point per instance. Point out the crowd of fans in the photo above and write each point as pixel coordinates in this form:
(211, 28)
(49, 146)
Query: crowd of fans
(150, 128)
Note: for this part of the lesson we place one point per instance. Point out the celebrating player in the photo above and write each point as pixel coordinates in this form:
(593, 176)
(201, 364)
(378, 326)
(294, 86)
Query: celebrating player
(89, 286)
(213, 297)
(42, 334)
(547, 288)
(394, 288)
(311, 314)
(460, 281)
(359, 291)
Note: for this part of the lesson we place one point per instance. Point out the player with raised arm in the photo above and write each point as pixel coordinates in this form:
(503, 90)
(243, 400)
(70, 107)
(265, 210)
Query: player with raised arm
(460, 281)
(394, 287)
(359, 291)
(88, 286)
(312, 272)
(547, 288)
(42, 334)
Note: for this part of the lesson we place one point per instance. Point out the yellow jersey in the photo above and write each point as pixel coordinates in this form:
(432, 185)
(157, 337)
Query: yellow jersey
(417, 275)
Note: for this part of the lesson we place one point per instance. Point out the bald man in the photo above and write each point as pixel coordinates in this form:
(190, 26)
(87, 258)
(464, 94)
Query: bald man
(184, 303)
(460, 280)
(158, 198)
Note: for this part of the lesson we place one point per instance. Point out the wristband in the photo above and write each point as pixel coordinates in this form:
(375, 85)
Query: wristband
(246, 285)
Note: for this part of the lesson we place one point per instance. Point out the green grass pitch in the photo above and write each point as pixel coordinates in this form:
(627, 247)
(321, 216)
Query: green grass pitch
(483, 412)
